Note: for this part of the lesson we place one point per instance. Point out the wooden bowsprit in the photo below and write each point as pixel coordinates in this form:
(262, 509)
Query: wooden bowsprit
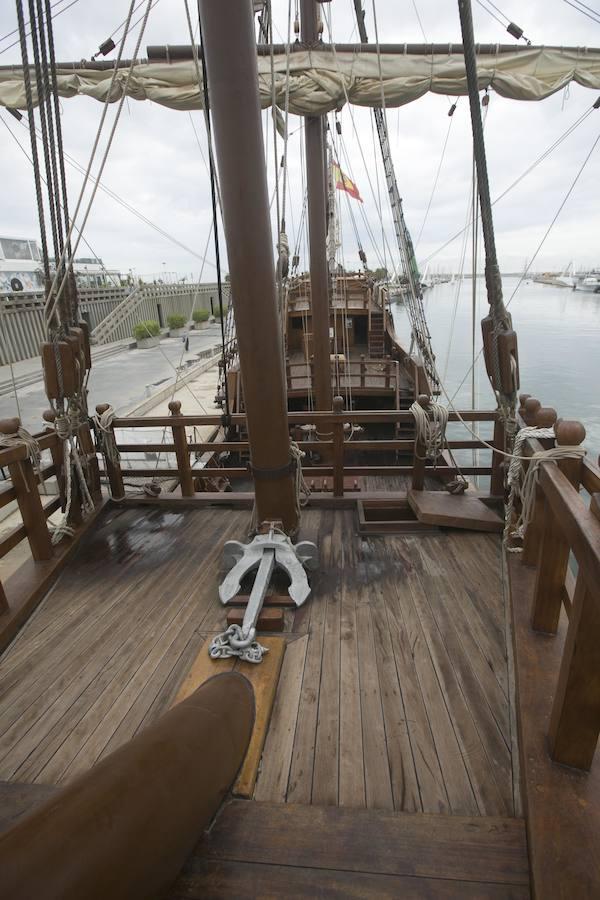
(265, 553)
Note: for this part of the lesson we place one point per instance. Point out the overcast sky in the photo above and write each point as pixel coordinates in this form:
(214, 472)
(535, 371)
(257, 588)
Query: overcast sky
(155, 163)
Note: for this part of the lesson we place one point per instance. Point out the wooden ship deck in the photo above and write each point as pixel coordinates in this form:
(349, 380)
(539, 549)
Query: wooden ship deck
(420, 720)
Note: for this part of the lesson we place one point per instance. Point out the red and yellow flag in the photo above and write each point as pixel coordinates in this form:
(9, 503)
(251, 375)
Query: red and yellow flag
(343, 183)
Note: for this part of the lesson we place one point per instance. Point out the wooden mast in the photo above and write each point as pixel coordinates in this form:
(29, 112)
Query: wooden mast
(230, 57)
(314, 135)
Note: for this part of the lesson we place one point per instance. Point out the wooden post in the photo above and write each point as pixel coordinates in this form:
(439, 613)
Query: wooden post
(316, 181)
(182, 452)
(530, 409)
(57, 453)
(553, 556)
(388, 372)
(575, 718)
(363, 370)
(232, 81)
(115, 476)
(28, 497)
(87, 445)
(419, 460)
(338, 447)
(522, 399)
(3, 601)
(545, 418)
(498, 460)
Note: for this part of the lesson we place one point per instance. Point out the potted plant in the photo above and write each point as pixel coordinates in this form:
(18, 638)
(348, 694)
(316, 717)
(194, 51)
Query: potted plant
(176, 323)
(147, 334)
(218, 312)
(200, 317)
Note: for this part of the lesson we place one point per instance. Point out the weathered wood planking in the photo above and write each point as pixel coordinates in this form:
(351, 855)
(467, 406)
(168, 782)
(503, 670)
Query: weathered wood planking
(395, 694)
(486, 850)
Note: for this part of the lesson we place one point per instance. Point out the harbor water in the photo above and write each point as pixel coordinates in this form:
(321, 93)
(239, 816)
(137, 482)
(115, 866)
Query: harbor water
(559, 346)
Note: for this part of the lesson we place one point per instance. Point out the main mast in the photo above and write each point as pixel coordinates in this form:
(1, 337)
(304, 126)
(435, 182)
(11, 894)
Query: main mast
(230, 56)
(316, 179)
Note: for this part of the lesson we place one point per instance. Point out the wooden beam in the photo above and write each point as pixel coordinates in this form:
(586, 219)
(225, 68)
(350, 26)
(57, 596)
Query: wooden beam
(555, 546)
(562, 806)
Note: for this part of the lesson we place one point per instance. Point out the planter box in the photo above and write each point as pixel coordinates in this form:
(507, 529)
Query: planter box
(198, 326)
(147, 343)
(177, 332)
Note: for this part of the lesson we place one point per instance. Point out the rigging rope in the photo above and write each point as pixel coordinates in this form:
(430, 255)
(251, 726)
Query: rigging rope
(529, 487)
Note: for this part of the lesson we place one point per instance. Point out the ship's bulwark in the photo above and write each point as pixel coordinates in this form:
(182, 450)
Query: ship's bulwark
(320, 80)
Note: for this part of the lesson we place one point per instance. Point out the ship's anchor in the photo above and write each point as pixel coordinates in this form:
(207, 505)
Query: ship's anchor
(266, 552)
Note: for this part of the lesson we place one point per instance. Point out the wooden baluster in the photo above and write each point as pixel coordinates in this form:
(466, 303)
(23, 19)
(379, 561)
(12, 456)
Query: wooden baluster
(553, 556)
(114, 473)
(363, 370)
(419, 461)
(575, 718)
(498, 460)
(545, 418)
(388, 372)
(338, 448)
(182, 452)
(26, 488)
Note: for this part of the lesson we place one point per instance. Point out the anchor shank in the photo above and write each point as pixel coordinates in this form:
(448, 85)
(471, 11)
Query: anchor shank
(259, 591)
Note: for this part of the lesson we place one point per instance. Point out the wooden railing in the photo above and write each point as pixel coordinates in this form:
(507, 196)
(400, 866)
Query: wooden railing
(24, 486)
(347, 374)
(335, 441)
(565, 527)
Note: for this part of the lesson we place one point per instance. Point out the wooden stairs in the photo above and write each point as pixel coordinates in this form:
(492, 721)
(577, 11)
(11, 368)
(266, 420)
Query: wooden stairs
(283, 850)
(376, 335)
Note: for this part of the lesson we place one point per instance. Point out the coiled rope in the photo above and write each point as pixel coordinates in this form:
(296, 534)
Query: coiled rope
(430, 424)
(67, 426)
(22, 436)
(530, 483)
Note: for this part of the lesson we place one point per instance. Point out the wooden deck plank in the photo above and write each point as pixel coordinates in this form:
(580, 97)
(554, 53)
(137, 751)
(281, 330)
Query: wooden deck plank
(405, 788)
(352, 773)
(378, 786)
(458, 786)
(246, 881)
(474, 753)
(325, 787)
(264, 680)
(361, 840)
(432, 791)
(277, 753)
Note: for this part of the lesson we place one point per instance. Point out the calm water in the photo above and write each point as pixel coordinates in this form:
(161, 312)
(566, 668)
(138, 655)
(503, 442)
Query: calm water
(559, 346)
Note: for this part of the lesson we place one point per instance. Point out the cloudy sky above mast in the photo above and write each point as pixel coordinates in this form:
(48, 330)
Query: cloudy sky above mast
(155, 163)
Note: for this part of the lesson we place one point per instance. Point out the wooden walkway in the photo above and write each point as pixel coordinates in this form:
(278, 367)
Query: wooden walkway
(394, 692)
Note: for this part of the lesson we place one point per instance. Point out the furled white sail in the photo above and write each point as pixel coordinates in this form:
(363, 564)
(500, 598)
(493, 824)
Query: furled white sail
(320, 80)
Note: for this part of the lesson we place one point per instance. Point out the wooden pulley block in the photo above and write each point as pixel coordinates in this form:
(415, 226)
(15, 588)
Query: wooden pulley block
(487, 331)
(69, 369)
(77, 350)
(508, 358)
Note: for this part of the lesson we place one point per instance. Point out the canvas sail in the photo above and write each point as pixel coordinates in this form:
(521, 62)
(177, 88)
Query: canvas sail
(321, 79)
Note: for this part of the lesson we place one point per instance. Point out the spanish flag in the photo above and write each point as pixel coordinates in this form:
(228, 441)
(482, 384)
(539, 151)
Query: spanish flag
(343, 183)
